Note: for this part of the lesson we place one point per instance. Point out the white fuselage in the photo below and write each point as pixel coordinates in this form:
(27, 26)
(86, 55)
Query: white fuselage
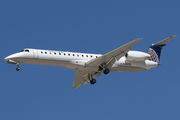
(76, 61)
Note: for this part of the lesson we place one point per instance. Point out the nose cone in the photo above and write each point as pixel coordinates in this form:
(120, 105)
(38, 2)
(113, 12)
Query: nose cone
(9, 57)
(6, 58)
(14, 56)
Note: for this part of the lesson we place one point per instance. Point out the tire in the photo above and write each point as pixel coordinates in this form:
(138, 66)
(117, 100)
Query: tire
(18, 68)
(93, 81)
(106, 71)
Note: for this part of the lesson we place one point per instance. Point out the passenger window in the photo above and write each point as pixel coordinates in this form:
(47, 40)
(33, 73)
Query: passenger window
(96, 56)
(26, 50)
(86, 55)
(45, 52)
(59, 53)
(82, 55)
(64, 53)
(73, 54)
(91, 56)
(41, 51)
(78, 55)
(69, 54)
(55, 53)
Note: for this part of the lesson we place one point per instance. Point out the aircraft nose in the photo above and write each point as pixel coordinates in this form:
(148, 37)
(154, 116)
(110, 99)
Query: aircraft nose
(13, 56)
(6, 58)
(9, 57)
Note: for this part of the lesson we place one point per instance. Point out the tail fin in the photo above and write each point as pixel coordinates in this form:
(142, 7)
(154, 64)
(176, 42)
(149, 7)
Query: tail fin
(155, 49)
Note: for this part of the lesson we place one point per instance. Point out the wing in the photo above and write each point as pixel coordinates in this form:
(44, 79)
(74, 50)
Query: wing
(80, 77)
(110, 57)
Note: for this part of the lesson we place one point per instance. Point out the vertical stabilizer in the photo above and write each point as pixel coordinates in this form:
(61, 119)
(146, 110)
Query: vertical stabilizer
(155, 49)
(155, 52)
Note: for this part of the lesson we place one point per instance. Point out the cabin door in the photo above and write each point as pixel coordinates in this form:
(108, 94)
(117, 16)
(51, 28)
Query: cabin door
(35, 54)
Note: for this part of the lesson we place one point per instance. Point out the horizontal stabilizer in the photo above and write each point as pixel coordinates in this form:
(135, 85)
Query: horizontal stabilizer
(165, 40)
(155, 49)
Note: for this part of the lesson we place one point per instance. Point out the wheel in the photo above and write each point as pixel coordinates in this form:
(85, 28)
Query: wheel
(93, 81)
(106, 71)
(18, 68)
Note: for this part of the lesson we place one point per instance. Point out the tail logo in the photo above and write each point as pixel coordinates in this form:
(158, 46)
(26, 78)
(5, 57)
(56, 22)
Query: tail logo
(154, 56)
(155, 49)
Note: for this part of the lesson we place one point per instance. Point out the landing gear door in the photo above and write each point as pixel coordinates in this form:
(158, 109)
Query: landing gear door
(35, 54)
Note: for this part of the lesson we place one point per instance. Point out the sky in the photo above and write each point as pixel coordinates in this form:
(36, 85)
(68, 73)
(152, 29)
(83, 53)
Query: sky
(91, 26)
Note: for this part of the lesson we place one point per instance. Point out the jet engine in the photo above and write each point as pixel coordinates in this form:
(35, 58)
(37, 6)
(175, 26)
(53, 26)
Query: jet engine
(137, 56)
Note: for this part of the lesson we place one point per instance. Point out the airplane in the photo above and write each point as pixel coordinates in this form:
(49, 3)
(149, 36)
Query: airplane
(90, 66)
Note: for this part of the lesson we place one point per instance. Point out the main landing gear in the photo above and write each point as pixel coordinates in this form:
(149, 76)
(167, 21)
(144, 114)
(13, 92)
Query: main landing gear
(104, 68)
(18, 68)
(92, 80)
(106, 71)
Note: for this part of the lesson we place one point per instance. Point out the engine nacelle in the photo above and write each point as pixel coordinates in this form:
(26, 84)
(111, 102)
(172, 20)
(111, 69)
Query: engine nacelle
(137, 56)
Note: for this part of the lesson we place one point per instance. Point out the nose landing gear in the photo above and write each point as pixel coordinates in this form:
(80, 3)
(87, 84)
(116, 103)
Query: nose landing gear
(14, 63)
(92, 80)
(18, 68)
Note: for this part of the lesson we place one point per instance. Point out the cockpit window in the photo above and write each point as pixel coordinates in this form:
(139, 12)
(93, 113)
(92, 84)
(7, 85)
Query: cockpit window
(26, 50)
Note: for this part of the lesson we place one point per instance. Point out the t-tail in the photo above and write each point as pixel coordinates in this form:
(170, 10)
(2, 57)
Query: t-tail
(155, 49)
